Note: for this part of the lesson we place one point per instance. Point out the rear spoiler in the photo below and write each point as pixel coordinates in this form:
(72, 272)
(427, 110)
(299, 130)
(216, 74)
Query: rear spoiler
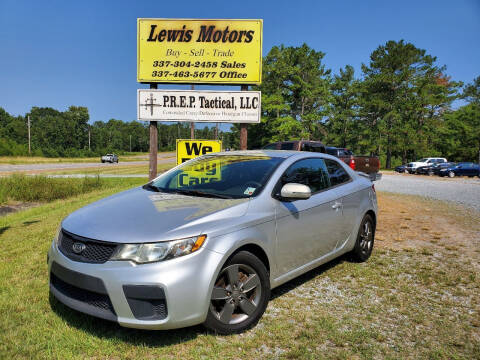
(371, 176)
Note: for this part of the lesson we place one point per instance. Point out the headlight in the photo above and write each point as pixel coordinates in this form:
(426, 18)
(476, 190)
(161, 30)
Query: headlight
(145, 253)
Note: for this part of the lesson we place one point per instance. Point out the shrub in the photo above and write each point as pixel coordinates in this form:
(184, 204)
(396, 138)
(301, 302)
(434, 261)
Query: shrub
(45, 189)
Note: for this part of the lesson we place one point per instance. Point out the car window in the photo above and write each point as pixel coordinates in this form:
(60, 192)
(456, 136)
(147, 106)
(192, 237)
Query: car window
(286, 146)
(231, 176)
(312, 147)
(331, 151)
(338, 175)
(345, 152)
(271, 146)
(310, 172)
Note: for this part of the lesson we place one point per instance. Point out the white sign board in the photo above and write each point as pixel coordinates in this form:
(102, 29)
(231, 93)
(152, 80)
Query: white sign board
(198, 106)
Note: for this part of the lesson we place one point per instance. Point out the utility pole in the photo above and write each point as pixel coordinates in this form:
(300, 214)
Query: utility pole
(216, 131)
(192, 124)
(88, 137)
(29, 146)
(152, 170)
(243, 128)
(130, 143)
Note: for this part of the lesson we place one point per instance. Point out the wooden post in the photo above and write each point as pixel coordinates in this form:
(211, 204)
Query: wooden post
(192, 124)
(152, 169)
(243, 128)
(29, 148)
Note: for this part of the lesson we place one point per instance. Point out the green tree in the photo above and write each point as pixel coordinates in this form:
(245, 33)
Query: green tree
(404, 94)
(295, 96)
(344, 109)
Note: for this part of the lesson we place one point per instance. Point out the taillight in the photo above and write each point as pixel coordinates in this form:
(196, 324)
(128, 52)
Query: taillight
(352, 164)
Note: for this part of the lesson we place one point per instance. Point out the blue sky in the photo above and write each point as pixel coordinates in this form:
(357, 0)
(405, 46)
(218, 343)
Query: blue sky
(62, 53)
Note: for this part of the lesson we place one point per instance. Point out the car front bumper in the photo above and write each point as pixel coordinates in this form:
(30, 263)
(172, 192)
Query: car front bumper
(162, 295)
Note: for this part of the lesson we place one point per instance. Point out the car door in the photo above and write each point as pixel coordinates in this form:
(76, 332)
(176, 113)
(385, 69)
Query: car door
(306, 229)
(350, 197)
(469, 169)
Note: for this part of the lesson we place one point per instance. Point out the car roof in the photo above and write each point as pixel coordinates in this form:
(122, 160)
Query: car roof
(271, 153)
(278, 154)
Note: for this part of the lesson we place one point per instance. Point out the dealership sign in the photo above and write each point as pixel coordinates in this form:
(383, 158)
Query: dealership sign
(190, 149)
(207, 171)
(199, 51)
(198, 106)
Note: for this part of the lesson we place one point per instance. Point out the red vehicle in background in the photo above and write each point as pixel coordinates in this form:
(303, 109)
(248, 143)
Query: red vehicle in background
(369, 165)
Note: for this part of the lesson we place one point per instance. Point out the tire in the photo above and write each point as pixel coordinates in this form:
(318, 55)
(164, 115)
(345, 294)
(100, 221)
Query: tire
(365, 240)
(235, 308)
(103, 161)
(451, 174)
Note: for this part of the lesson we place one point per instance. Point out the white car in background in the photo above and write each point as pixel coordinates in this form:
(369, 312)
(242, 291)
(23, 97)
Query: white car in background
(413, 166)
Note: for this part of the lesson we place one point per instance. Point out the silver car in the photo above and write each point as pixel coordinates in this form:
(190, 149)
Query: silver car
(206, 241)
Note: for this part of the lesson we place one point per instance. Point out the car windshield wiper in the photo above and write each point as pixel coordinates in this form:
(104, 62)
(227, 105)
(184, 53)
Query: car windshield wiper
(151, 187)
(201, 193)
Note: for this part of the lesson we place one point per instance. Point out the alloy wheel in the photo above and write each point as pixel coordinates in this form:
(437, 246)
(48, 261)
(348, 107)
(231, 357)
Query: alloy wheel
(236, 294)
(366, 237)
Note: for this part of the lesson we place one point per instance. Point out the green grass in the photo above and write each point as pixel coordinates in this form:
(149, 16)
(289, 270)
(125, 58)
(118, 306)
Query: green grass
(113, 170)
(400, 304)
(43, 189)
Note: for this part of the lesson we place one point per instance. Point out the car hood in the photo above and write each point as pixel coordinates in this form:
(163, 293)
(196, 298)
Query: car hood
(139, 215)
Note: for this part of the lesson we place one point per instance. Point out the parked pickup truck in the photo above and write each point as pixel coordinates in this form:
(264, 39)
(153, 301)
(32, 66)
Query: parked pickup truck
(298, 145)
(413, 166)
(111, 158)
(369, 165)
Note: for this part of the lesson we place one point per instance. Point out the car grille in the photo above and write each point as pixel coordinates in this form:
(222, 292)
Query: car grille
(96, 252)
(100, 301)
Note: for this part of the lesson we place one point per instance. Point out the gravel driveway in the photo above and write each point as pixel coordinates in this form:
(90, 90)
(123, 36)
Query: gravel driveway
(465, 191)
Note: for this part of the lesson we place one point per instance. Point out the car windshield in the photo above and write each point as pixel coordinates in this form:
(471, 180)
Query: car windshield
(221, 176)
(422, 160)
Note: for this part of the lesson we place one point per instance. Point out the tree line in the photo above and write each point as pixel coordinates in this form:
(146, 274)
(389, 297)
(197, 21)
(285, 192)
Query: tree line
(399, 106)
(68, 134)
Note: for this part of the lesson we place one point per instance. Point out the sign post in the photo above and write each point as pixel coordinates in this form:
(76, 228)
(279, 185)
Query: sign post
(152, 168)
(243, 128)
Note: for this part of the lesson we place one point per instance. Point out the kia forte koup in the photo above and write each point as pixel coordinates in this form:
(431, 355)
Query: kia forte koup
(206, 241)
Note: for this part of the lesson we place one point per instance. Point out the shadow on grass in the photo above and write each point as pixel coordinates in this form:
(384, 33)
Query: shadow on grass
(26, 223)
(3, 229)
(105, 329)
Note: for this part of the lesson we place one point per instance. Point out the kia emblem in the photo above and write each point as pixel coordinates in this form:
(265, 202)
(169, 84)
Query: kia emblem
(78, 247)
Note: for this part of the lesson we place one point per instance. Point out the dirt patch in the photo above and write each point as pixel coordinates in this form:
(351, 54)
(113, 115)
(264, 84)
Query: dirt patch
(11, 208)
(413, 223)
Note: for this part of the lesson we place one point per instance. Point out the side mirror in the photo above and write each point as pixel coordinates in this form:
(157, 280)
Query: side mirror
(294, 191)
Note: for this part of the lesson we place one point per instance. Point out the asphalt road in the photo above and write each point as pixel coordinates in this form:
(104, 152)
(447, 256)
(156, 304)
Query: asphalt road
(164, 158)
(465, 191)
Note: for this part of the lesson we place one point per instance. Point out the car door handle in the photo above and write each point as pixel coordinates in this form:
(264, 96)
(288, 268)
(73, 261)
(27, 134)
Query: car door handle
(336, 205)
